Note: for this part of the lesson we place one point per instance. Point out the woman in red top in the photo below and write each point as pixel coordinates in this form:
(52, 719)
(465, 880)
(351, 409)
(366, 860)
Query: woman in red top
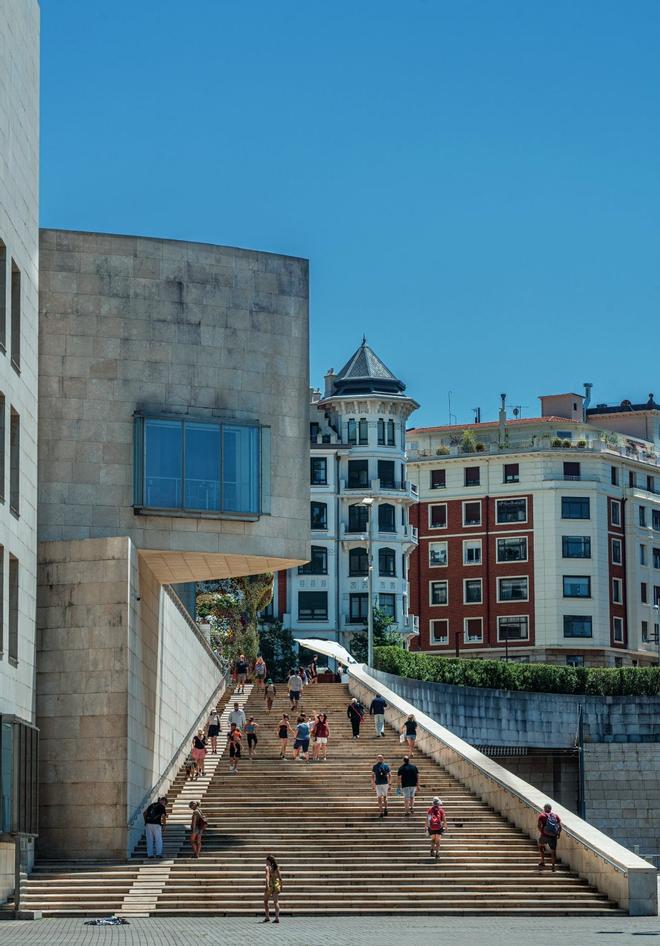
(436, 822)
(321, 733)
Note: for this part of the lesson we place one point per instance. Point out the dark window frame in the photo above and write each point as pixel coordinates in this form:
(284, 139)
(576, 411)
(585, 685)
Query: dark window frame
(568, 626)
(318, 562)
(573, 578)
(318, 465)
(358, 563)
(316, 613)
(572, 507)
(319, 506)
(386, 563)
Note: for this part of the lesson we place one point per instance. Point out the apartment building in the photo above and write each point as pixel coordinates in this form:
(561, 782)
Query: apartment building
(19, 254)
(360, 501)
(539, 538)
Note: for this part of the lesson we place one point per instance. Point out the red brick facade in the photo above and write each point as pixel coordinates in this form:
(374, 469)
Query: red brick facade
(617, 572)
(488, 570)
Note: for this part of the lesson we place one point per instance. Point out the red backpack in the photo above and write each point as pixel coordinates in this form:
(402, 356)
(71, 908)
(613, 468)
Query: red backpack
(435, 824)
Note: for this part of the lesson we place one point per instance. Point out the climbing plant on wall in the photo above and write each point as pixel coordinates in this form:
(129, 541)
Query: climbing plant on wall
(231, 606)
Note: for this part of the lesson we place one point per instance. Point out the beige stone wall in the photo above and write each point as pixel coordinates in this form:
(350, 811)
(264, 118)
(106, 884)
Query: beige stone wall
(129, 323)
(81, 707)
(622, 791)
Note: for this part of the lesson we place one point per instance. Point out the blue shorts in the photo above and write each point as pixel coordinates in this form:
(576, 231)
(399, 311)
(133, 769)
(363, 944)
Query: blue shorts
(301, 744)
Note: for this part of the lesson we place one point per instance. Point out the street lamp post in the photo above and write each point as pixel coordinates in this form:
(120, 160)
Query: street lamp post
(369, 503)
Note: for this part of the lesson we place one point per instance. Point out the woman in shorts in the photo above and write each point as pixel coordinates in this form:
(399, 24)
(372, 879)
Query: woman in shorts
(301, 742)
(321, 733)
(199, 752)
(198, 825)
(212, 730)
(436, 822)
(251, 733)
(409, 729)
(272, 888)
(260, 672)
(284, 730)
(234, 739)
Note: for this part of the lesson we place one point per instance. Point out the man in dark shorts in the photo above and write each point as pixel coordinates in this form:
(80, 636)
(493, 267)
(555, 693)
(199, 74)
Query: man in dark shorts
(241, 673)
(381, 776)
(294, 686)
(549, 825)
(408, 783)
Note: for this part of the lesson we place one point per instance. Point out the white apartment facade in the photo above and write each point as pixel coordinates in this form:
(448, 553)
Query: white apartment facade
(19, 246)
(360, 500)
(539, 538)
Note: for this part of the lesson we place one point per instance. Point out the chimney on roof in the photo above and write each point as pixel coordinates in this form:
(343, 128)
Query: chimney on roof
(502, 419)
(587, 397)
(314, 395)
(329, 383)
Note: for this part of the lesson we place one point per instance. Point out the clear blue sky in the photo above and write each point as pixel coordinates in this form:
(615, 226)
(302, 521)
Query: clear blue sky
(476, 183)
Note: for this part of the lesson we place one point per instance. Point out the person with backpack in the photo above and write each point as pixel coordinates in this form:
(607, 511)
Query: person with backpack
(272, 888)
(436, 822)
(355, 712)
(381, 777)
(270, 692)
(198, 825)
(549, 825)
(377, 710)
(155, 818)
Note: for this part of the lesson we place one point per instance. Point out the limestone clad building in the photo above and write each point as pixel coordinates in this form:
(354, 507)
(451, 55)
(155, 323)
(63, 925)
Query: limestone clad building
(173, 448)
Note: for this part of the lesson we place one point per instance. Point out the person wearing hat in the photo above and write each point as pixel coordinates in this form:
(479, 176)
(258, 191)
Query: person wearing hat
(155, 817)
(436, 822)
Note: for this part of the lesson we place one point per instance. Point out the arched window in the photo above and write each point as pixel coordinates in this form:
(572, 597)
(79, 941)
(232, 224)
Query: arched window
(352, 431)
(387, 563)
(386, 520)
(358, 563)
(381, 432)
(363, 431)
(358, 518)
(390, 434)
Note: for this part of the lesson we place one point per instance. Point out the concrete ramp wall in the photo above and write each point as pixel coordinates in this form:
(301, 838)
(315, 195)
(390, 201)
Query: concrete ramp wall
(625, 878)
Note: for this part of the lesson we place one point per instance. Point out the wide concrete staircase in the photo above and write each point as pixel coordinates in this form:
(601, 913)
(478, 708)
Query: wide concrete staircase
(320, 820)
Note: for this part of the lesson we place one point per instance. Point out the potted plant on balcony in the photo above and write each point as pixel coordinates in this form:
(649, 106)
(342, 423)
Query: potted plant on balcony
(468, 442)
(479, 446)
(581, 443)
(556, 442)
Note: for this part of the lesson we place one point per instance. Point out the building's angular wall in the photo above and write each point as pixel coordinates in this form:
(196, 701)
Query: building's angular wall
(133, 324)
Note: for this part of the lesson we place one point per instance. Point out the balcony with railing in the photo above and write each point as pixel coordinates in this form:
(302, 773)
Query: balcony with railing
(393, 489)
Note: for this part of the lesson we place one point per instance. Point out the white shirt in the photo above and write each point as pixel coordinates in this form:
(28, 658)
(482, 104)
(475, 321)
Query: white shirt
(295, 683)
(238, 717)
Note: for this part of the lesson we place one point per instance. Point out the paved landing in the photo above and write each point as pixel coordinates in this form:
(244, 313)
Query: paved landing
(339, 931)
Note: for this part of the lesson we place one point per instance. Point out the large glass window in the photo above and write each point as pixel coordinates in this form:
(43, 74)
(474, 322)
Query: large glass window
(381, 432)
(390, 434)
(472, 476)
(512, 589)
(363, 431)
(575, 507)
(387, 563)
(472, 514)
(386, 518)
(438, 479)
(318, 563)
(511, 510)
(438, 592)
(472, 552)
(387, 604)
(358, 474)
(439, 631)
(318, 471)
(473, 630)
(358, 518)
(358, 605)
(472, 591)
(438, 516)
(577, 586)
(312, 605)
(352, 431)
(576, 546)
(386, 473)
(512, 549)
(578, 625)
(197, 466)
(319, 515)
(514, 628)
(358, 563)
(437, 554)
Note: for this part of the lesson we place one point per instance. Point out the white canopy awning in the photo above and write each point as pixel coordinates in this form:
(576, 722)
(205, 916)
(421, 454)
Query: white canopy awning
(328, 648)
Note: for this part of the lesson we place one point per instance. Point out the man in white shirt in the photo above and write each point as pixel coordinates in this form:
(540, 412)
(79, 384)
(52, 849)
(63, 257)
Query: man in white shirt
(237, 716)
(294, 686)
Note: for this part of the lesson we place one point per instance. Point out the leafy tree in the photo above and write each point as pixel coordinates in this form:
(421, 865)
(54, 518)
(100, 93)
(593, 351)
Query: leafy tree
(231, 607)
(277, 649)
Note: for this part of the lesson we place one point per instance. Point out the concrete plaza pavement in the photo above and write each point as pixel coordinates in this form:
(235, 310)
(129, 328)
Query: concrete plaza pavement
(337, 931)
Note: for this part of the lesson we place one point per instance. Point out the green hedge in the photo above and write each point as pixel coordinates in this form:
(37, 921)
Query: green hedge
(500, 674)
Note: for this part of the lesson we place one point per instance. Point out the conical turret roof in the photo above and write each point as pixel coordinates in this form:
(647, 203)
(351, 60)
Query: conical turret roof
(365, 373)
